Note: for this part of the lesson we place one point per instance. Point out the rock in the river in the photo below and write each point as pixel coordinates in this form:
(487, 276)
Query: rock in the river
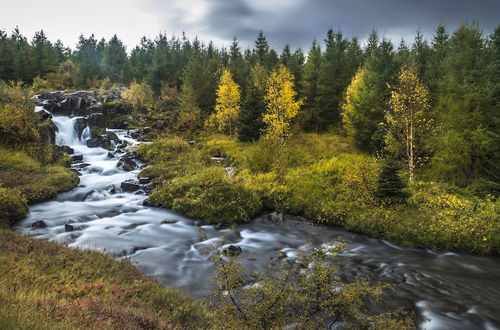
(276, 217)
(144, 180)
(68, 228)
(148, 188)
(112, 136)
(80, 125)
(100, 141)
(68, 150)
(76, 158)
(80, 166)
(111, 155)
(112, 189)
(130, 185)
(127, 162)
(232, 250)
(39, 224)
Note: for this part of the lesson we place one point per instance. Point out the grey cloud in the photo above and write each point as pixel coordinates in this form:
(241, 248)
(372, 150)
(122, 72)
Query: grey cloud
(299, 21)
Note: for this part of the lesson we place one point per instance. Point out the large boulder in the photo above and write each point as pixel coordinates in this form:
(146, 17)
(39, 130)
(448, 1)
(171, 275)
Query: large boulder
(112, 136)
(48, 132)
(96, 119)
(127, 162)
(67, 149)
(130, 185)
(99, 142)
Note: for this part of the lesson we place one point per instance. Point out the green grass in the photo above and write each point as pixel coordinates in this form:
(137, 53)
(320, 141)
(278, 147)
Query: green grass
(45, 285)
(24, 179)
(323, 178)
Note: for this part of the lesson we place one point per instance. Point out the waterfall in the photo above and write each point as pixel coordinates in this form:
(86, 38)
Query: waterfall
(67, 134)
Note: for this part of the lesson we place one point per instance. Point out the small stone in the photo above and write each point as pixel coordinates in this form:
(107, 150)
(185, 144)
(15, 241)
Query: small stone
(68, 150)
(144, 180)
(232, 251)
(111, 155)
(168, 222)
(39, 224)
(68, 228)
(76, 158)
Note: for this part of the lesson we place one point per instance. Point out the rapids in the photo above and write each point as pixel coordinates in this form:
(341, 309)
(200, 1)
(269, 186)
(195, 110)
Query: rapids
(448, 290)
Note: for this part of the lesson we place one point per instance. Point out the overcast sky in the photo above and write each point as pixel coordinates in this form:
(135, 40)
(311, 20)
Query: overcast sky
(283, 21)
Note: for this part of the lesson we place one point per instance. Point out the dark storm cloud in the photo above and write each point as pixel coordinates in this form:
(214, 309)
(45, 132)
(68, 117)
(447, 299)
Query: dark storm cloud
(299, 21)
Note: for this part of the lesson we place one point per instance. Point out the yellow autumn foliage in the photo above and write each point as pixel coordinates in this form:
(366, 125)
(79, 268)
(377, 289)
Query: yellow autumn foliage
(281, 105)
(224, 119)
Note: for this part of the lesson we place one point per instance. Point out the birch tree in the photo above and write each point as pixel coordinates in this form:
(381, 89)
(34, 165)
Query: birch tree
(407, 119)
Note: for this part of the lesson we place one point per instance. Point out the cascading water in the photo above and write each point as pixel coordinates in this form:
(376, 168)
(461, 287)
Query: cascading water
(66, 133)
(453, 291)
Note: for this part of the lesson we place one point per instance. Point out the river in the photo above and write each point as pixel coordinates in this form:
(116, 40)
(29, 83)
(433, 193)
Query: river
(448, 290)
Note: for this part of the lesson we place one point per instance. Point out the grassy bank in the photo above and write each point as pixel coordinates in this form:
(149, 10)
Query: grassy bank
(45, 285)
(25, 180)
(322, 178)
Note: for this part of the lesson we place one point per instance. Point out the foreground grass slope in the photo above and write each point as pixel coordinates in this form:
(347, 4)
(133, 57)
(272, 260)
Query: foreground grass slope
(45, 285)
(321, 177)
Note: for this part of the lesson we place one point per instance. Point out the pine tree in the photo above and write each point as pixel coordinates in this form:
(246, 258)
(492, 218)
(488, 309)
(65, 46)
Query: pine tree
(366, 100)
(45, 56)
(334, 77)
(261, 49)
(311, 72)
(390, 187)
(467, 139)
(114, 64)
(250, 123)
(237, 65)
(87, 58)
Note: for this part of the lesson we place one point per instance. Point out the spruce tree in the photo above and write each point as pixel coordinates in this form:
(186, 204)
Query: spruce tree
(114, 61)
(467, 139)
(250, 123)
(311, 72)
(390, 187)
(334, 77)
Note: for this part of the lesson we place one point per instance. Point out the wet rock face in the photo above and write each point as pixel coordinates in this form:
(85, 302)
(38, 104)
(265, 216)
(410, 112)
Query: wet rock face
(99, 142)
(83, 103)
(48, 132)
(80, 125)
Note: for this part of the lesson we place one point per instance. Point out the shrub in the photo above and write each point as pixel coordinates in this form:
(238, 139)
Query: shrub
(210, 195)
(13, 206)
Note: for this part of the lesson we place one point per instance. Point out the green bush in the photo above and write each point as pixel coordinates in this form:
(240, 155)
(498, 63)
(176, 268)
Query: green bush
(210, 195)
(13, 206)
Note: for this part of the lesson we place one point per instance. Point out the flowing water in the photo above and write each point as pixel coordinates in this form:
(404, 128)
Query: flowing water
(448, 290)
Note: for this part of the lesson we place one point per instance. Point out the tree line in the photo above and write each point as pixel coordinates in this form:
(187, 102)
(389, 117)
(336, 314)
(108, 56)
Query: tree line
(430, 104)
